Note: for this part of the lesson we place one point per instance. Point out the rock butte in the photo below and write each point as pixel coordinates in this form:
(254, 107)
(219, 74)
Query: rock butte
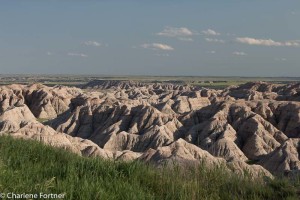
(253, 127)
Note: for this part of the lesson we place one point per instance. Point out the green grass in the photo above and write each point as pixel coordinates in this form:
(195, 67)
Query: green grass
(252, 162)
(219, 82)
(42, 120)
(31, 167)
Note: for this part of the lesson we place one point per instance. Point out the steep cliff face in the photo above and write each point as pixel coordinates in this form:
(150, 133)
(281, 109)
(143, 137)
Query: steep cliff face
(162, 123)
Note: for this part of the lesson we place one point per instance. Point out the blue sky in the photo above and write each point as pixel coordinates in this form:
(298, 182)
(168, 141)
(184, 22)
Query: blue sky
(157, 37)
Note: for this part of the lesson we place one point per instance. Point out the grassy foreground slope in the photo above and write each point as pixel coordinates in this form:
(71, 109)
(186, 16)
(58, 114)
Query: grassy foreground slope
(31, 167)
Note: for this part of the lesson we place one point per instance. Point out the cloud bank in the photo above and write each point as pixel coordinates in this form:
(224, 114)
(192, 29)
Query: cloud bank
(92, 43)
(211, 32)
(176, 32)
(211, 52)
(214, 40)
(77, 54)
(266, 42)
(239, 53)
(182, 33)
(157, 46)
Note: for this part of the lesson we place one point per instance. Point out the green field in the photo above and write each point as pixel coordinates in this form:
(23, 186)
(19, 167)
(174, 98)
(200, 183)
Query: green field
(31, 167)
(214, 82)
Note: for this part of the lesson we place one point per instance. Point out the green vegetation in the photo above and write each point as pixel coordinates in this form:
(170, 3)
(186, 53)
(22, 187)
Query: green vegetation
(31, 167)
(42, 120)
(252, 162)
(214, 82)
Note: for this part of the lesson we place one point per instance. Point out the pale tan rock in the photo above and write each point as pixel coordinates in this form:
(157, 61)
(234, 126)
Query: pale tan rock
(181, 152)
(284, 158)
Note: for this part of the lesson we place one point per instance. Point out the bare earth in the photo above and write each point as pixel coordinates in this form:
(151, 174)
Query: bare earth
(253, 127)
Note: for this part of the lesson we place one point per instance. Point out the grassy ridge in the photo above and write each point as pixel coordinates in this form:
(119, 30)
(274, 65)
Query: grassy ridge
(30, 167)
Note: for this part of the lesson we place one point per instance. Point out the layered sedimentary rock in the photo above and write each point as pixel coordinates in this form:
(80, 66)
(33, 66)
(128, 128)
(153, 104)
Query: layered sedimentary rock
(264, 90)
(162, 123)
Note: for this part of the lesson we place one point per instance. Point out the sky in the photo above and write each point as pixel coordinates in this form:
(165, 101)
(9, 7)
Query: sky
(150, 37)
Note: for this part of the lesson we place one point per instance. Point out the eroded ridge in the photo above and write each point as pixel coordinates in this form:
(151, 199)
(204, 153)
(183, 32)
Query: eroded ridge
(253, 127)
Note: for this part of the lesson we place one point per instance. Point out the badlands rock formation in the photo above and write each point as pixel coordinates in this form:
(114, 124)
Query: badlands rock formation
(253, 127)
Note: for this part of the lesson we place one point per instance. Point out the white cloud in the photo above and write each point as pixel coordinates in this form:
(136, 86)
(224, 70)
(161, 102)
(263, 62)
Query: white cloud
(157, 46)
(92, 43)
(211, 52)
(182, 33)
(77, 54)
(267, 42)
(210, 32)
(281, 59)
(214, 40)
(49, 53)
(239, 53)
(176, 32)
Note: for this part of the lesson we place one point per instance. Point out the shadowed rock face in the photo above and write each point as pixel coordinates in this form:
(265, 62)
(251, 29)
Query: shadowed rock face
(162, 123)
